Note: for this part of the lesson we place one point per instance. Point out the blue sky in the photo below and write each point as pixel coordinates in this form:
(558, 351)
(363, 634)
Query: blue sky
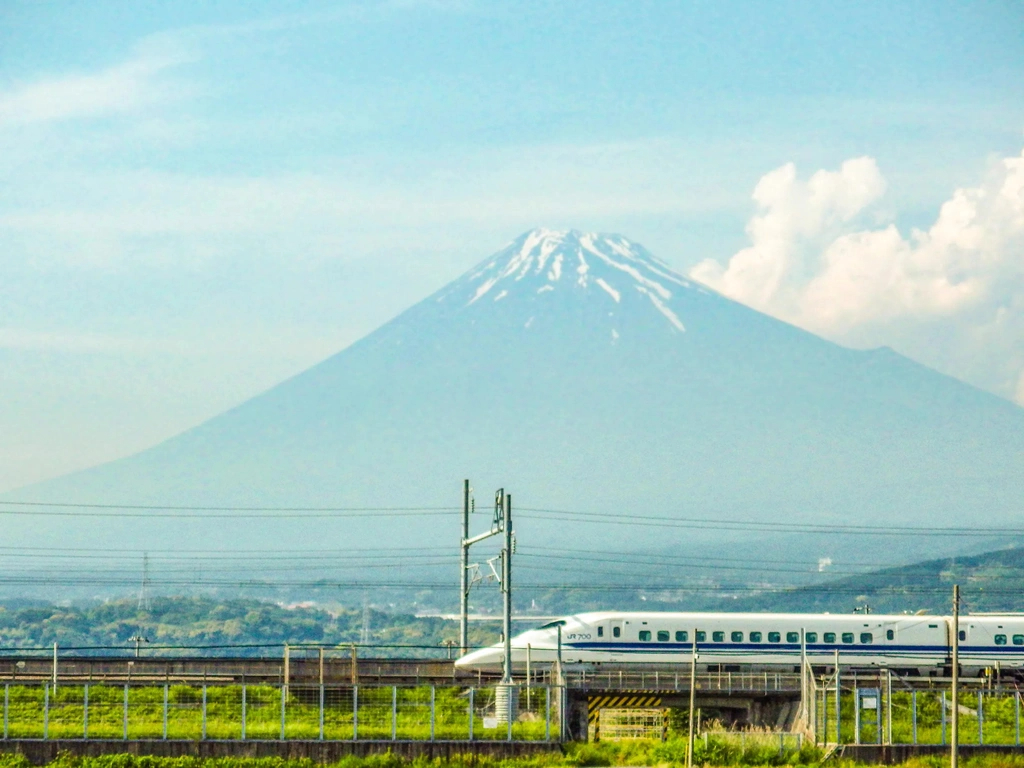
(200, 199)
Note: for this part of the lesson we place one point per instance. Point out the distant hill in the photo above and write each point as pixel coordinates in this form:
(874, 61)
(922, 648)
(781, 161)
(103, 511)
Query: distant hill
(223, 627)
(581, 373)
(993, 581)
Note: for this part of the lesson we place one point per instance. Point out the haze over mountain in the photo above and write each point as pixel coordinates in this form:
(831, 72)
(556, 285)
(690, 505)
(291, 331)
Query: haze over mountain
(582, 373)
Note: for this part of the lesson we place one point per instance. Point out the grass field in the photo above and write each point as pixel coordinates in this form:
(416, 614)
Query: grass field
(37, 712)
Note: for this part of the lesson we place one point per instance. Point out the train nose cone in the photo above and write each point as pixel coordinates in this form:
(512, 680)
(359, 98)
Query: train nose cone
(484, 659)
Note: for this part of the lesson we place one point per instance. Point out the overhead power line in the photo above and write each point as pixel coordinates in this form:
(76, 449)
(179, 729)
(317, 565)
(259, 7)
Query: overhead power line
(70, 509)
(147, 511)
(662, 521)
(645, 587)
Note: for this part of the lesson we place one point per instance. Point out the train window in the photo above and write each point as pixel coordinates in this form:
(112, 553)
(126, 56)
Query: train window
(890, 635)
(1018, 639)
(1000, 639)
(616, 631)
(755, 637)
(847, 637)
(737, 637)
(681, 636)
(792, 637)
(963, 634)
(830, 637)
(701, 635)
(774, 637)
(645, 635)
(811, 637)
(718, 637)
(600, 631)
(662, 635)
(866, 638)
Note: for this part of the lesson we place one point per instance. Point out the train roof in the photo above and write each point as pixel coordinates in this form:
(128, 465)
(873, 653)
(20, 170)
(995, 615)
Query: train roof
(591, 616)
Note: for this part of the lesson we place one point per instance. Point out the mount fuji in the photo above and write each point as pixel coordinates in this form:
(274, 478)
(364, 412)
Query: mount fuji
(579, 372)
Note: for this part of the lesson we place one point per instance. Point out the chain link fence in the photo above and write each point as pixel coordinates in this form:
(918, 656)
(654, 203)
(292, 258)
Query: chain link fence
(278, 712)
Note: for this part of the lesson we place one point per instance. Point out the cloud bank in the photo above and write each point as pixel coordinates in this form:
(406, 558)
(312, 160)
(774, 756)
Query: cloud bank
(951, 296)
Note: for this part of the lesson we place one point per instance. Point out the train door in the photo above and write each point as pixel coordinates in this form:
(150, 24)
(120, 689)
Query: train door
(616, 639)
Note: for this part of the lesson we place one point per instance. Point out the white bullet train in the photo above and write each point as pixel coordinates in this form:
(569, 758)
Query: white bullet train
(753, 641)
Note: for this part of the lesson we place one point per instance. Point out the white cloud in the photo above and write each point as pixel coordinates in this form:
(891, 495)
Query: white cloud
(119, 89)
(951, 296)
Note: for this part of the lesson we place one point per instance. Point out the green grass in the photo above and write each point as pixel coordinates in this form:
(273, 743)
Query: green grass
(671, 753)
(27, 715)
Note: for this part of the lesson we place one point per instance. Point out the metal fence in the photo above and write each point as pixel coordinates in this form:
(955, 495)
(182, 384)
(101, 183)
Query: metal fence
(875, 713)
(250, 712)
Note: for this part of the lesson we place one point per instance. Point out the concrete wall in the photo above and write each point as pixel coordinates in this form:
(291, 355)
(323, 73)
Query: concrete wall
(40, 752)
(893, 754)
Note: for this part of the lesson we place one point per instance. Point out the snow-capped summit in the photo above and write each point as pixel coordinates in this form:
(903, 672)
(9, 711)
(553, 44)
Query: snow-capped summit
(546, 266)
(582, 373)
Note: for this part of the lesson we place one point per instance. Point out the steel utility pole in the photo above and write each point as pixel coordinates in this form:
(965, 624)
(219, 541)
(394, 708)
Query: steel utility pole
(955, 739)
(506, 591)
(464, 575)
(693, 700)
(465, 581)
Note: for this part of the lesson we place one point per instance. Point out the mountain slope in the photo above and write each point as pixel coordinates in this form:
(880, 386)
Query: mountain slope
(989, 582)
(580, 372)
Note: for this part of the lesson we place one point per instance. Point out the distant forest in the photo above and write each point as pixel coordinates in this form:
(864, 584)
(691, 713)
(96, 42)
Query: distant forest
(993, 581)
(212, 626)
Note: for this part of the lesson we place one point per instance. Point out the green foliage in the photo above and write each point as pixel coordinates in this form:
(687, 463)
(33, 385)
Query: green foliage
(205, 621)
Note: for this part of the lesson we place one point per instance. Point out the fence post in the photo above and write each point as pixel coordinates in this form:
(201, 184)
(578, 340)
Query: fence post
(839, 702)
(913, 716)
(547, 713)
(244, 713)
(321, 713)
(284, 698)
(888, 705)
(355, 712)
(394, 712)
(46, 711)
(511, 709)
(981, 718)
(1017, 720)
(165, 709)
(204, 710)
(471, 692)
(124, 711)
(824, 714)
(432, 699)
(879, 734)
(942, 699)
(7, 701)
(856, 715)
